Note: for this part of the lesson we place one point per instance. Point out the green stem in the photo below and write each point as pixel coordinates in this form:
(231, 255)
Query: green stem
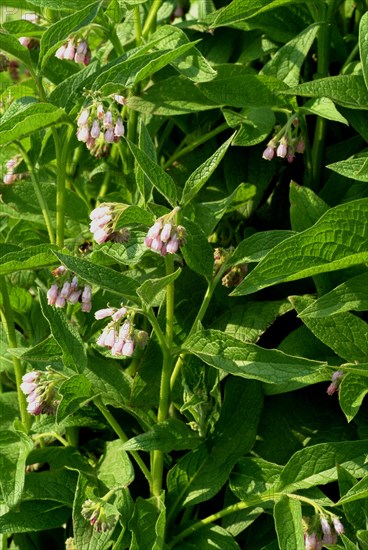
(121, 434)
(164, 403)
(116, 42)
(323, 61)
(8, 321)
(137, 26)
(150, 23)
(61, 158)
(37, 189)
(189, 148)
(52, 434)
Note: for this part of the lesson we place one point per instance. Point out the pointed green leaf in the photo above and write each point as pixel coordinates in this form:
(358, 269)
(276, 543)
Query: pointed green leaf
(197, 251)
(167, 436)
(209, 536)
(202, 174)
(11, 44)
(104, 277)
(257, 246)
(14, 448)
(47, 350)
(339, 239)
(355, 168)
(352, 390)
(325, 108)
(148, 524)
(149, 290)
(32, 257)
(305, 207)
(357, 492)
(115, 468)
(156, 175)
(363, 45)
(35, 516)
(288, 523)
(75, 391)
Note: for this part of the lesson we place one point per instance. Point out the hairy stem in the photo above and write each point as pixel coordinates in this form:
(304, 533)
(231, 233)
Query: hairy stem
(150, 24)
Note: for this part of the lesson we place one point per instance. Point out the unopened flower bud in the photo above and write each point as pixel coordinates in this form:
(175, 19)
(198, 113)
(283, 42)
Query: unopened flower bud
(107, 119)
(83, 134)
(87, 294)
(119, 129)
(281, 150)
(120, 99)
(60, 52)
(60, 302)
(25, 41)
(74, 296)
(109, 135)
(9, 178)
(103, 313)
(100, 111)
(326, 527)
(166, 232)
(95, 130)
(268, 153)
(119, 314)
(83, 117)
(300, 146)
(65, 291)
(110, 338)
(173, 244)
(128, 348)
(339, 528)
(69, 51)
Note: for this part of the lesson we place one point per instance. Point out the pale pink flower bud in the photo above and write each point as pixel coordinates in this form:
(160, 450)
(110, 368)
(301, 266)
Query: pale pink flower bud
(90, 143)
(290, 155)
(310, 541)
(69, 51)
(103, 313)
(163, 250)
(119, 129)
(110, 338)
(9, 178)
(60, 270)
(102, 338)
(107, 119)
(120, 99)
(128, 348)
(86, 307)
(326, 527)
(109, 135)
(330, 538)
(99, 212)
(156, 244)
(11, 164)
(28, 387)
(87, 58)
(155, 230)
(148, 242)
(300, 146)
(79, 58)
(319, 544)
(173, 244)
(339, 528)
(166, 232)
(32, 17)
(74, 283)
(83, 118)
(119, 314)
(35, 407)
(60, 301)
(268, 153)
(52, 294)
(83, 134)
(65, 291)
(74, 296)
(100, 236)
(337, 375)
(95, 130)
(117, 347)
(282, 148)
(82, 47)
(60, 52)
(124, 331)
(100, 111)
(24, 41)
(87, 294)
(31, 376)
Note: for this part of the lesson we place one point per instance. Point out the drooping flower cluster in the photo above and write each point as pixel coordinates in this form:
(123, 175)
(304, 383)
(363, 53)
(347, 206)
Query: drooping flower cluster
(25, 40)
(232, 276)
(103, 221)
(119, 335)
(165, 237)
(10, 176)
(286, 142)
(39, 387)
(320, 530)
(75, 50)
(98, 127)
(68, 290)
(335, 382)
(95, 513)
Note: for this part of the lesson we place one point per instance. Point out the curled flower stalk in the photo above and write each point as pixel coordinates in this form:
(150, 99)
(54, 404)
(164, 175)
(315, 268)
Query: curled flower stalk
(67, 289)
(104, 220)
(40, 390)
(287, 141)
(96, 513)
(166, 236)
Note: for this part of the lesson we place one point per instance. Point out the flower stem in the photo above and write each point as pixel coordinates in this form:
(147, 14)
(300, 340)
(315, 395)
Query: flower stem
(8, 321)
(121, 434)
(164, 404)
(61, 157)
(37, 189)
(150, 23)
(51, 434)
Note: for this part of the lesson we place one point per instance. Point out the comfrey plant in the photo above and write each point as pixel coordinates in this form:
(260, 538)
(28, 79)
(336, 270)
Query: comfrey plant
(176, 312)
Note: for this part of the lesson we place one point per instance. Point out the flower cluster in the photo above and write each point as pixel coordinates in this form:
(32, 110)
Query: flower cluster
(165, 236)
(321, 530)
(11, 165)
(335, 382)
(103, 219)
(232, 276)
(286, 142)
(119, 335)
(75, 50)
(95, 513)
(98, 128)
(67, 289)
(39, 387)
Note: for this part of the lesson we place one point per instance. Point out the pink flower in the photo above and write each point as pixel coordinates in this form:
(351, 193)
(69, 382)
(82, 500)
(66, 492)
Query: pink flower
(155, 230)
(128, 348)
(87, 294)
(326, 527)
(120, 99)
(74, 296)
(119, 129)
(9, 178)
(166, 232)
(31, 376)
(102, 338)
(83, 134)
(60, 302)
(60, 52)
(83, 118)
(300, 146)
(69, 51)
(107, 119)
(100, 111)
(35, 407)
(52, 294)
(86, 307)
(124, 331)
(173, 244)
(339, 528)
(119, 314)
(117, 347)
(100, 236)
(95, 130)
(156, 244)
(24, 41)
(65, 291)
(282, 148)
(28, 387)
(110, 338)
(103, 313)
(99, 212)
(109, 135)
(268, 153)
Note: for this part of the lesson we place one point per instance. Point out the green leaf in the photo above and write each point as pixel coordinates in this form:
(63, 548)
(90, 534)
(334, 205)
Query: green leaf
(352, 390)
(30, 119)
(348, 544)
(355, 168)
(115, 469)
(353, 511)
(253, 476)
(325, 108)
(352, 294)
(48, 350)
(339, 239)
(255, 124)
(14, 448)
(58, 4)
(75, 391)
(129, 253)
(251, 361)
(66, 335)
(149, 290)
(148, 524)
(197, 251)
(363, 45)
(155, 174)
(305, 207)
(209, 536)
(146, 144)
(202, 174)
(34, 516)
(288, 60)
(317, 464)
(200, 474)
(257, 246)
(33, 257)
(345, 333)
(58, 33)
(20, 299)
(104, 277)
(288, 523)
(346, 90)
(52, 485)
(167, 436)
(11, 44)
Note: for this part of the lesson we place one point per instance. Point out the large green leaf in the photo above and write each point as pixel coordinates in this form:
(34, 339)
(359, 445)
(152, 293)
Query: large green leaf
(115, 469)
(355, 168)
(30, 258)
(352, 390)
(363, 45)
(148, 524)
(305, 207)
(149, 290)
(167, 436)
(34, 516)
(258, 245)
(11, 44)
(197, 251)
(289, 525)
(75, 392)
(339, 239)
(14, 448)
